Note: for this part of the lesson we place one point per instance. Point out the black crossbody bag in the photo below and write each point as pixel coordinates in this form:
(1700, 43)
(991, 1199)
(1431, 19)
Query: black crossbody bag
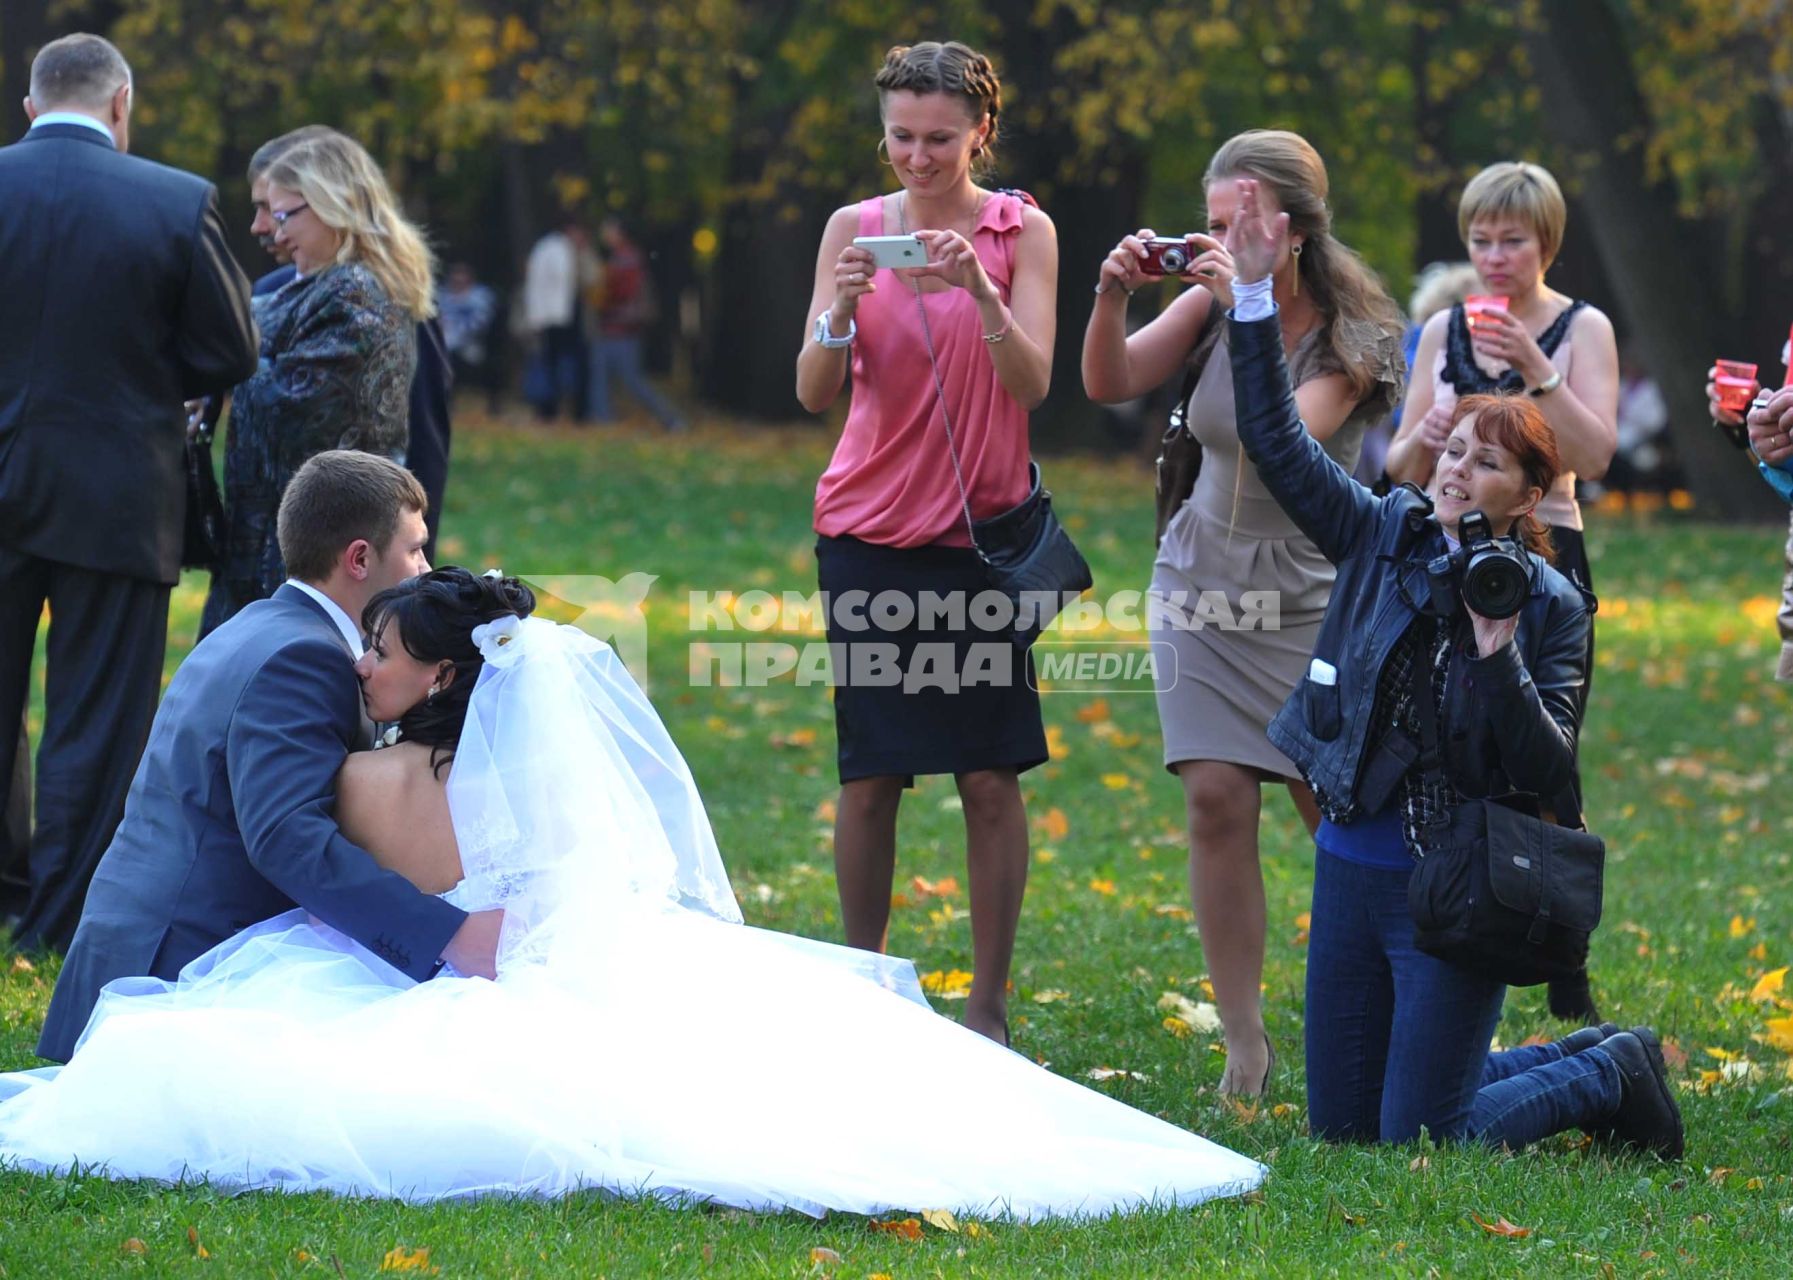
(1025, 551)
(1500, 890)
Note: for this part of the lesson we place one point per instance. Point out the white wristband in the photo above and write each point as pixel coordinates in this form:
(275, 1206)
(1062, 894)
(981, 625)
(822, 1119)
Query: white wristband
(1252, 301)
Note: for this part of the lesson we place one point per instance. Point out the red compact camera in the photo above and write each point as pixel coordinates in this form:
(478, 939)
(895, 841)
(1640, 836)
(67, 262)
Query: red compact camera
(1168, 255)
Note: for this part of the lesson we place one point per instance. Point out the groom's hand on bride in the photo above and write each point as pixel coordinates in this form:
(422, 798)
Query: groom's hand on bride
(474, 948)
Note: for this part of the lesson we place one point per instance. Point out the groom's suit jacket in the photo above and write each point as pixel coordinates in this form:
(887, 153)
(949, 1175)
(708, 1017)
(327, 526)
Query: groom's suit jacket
(230, 818)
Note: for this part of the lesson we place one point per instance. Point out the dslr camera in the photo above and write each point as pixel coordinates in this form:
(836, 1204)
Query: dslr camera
(1168, 256)
(1491, 575)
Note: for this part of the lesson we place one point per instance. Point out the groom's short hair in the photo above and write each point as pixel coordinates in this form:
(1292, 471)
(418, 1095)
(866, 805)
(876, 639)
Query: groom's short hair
(339, 497)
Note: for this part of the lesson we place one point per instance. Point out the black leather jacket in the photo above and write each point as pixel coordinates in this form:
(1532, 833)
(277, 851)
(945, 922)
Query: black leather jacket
(1510, 719)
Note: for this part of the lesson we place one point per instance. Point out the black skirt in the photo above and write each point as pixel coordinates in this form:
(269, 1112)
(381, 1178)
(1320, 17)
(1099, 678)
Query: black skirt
(920, 686)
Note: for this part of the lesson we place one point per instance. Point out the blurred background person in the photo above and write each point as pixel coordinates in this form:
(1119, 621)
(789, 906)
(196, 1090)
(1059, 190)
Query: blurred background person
(560, 271)
(629, 306)
(1440, 285)
(1523, 337)
(121, 301)
(889, 515)
(1343, 333)
(1732, 423)
(1645, 457)
(338, 350)
(470, 330)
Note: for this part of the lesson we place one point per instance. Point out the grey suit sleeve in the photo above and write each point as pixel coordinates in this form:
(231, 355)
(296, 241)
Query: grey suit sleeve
(218, 347)
(287, 739)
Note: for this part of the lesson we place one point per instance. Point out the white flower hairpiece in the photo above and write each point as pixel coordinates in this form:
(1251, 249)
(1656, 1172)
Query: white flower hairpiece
(497, 639)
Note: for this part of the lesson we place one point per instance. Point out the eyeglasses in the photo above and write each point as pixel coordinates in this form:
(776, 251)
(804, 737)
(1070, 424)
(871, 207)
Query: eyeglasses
(280, 216)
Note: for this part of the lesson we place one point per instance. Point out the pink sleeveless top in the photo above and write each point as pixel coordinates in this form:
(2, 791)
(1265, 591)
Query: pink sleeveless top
(891, 478)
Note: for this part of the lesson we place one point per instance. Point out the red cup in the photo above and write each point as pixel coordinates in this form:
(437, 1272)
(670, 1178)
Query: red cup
(1477, 304)
(1736, 383)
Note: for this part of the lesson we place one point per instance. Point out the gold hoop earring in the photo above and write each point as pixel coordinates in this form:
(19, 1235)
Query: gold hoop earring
(1295, 253)
(883, 151)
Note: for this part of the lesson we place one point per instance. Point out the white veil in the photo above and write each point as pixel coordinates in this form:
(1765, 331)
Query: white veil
(568, 796)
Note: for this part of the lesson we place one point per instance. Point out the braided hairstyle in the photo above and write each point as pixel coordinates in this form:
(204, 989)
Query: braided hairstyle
(952, 68)
(436, 613)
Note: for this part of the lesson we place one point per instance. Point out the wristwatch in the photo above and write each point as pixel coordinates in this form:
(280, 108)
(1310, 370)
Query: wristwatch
(826, 339)
(1549, 384)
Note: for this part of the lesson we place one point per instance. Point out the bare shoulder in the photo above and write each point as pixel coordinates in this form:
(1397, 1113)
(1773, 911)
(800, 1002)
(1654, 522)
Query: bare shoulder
(1036, 222)
(373, 785)
(394, 805)
(1592, 325)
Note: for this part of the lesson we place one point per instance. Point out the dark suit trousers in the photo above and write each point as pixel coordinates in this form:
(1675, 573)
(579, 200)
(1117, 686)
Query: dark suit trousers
(103, 676)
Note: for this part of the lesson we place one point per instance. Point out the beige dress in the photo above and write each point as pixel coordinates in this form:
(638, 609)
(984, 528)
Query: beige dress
(1237, 591)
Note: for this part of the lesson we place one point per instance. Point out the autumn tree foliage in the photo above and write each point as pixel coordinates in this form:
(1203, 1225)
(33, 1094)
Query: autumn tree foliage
(728, 129)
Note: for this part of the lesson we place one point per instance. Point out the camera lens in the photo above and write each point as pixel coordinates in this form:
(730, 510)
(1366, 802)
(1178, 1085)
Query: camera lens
(1175, 260)
(1495, 583)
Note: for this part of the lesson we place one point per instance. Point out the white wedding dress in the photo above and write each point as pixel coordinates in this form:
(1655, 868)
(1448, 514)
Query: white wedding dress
(639, 1038)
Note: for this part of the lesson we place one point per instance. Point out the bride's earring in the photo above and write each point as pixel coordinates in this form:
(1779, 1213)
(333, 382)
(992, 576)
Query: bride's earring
(435, 689)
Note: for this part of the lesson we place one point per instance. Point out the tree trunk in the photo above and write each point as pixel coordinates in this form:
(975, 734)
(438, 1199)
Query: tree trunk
(1591, 98)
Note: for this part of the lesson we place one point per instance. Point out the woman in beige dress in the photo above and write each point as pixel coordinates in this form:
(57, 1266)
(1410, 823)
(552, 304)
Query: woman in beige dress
(1237, 590)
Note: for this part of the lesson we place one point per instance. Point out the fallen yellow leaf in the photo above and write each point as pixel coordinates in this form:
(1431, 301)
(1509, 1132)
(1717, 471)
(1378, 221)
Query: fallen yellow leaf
(135, 1247)
(944, 887)
(976, 1230)
(199, 1250)
(822, 1256)
(904, 1228)
(1501, 1227)
(1105, 887)
(1769, 985)
(1095, 711)
(1178, 1028)
(1054, 823)
(1780, 1034)
(940, 1219)
(1740, 926)
(1050, 997)
(1116, 781)
(399, 1258)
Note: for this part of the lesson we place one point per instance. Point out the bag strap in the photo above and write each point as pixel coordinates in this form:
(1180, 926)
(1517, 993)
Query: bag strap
(952, 445)
(1431, 758)
(1198, 364)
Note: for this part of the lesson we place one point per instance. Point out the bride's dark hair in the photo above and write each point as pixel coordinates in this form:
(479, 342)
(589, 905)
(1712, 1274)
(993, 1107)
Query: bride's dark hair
(436, 614)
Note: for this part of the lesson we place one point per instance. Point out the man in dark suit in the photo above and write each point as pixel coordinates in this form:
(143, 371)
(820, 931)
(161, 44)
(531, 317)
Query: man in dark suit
(121, 301)
(427, 451)
(230, 815)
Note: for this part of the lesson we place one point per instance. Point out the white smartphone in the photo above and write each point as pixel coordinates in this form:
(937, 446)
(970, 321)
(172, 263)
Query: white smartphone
(894, 251)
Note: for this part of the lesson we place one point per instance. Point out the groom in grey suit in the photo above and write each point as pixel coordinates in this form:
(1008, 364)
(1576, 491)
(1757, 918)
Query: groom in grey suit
(230, 815)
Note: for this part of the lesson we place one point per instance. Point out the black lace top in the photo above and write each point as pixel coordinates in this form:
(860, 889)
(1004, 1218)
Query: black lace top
(1468, 377)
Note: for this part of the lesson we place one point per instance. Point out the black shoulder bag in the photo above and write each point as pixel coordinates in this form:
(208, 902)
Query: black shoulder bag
(202, 538)
(1025, 551)
(1498, 889)
(1179, 452)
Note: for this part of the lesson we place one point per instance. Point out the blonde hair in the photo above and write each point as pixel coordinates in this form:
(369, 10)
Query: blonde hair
(1355, 310)
(343, 186)
(1441, 285)
(1516, 189)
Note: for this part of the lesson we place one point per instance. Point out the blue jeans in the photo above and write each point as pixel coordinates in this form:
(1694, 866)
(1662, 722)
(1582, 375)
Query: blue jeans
(620, 358)
(1397, 1039)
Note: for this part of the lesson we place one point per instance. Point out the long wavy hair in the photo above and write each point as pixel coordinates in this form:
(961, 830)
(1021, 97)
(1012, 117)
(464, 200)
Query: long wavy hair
(1355, 310)
(436, 613)
(347, 191)
(1517, 425)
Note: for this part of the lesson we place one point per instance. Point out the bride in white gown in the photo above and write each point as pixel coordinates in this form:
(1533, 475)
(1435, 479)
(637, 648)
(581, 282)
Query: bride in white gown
(639, 1038)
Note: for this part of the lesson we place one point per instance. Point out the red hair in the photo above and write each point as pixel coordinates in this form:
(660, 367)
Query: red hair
(1515, 424)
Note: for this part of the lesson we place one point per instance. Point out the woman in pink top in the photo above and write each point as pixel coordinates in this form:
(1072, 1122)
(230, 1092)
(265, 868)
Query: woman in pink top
(1544, 344)
(927, 680)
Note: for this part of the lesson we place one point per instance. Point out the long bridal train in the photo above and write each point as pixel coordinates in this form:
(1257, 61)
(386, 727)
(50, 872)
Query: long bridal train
(639, 1038)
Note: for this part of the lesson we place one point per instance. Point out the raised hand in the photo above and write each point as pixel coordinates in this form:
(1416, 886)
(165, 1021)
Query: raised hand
(952, 259)
(1255, 242)
(1120, 269)
(853, 272)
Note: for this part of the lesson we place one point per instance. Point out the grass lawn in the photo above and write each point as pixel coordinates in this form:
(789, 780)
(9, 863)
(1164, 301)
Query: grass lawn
(1688, 778)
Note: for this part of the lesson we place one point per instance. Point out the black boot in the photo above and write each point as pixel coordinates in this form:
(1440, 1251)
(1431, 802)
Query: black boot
(1587, 1037)
(1647, 1118)
(1571, 1000)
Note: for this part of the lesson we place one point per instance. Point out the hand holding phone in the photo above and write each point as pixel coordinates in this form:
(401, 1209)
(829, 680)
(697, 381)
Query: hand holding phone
(894, 251)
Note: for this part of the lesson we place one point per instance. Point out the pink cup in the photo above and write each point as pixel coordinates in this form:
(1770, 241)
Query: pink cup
(1736, 383)
(1477, 304)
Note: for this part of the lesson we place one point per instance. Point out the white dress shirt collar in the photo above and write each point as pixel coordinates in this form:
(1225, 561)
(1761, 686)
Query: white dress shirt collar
(75, 117)
(350, 632)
